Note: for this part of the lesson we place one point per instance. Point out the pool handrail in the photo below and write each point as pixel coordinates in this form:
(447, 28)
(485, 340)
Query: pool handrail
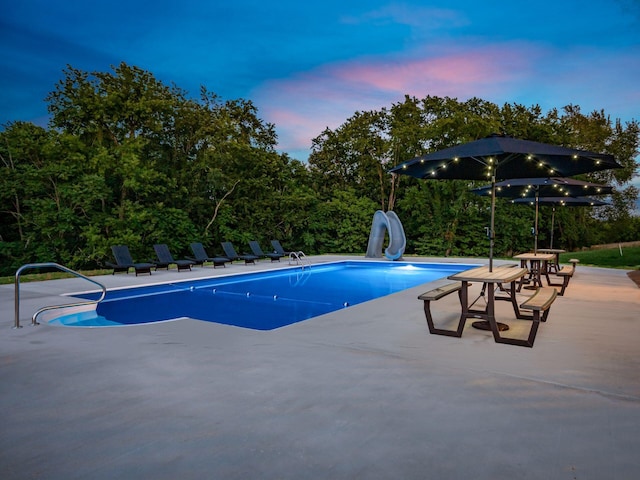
(299, 258)
(59, 267)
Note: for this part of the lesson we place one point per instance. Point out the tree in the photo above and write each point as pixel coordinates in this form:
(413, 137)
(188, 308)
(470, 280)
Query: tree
(130, 160)
(341, 224)
(51, 193)
(444, 218)
(142, 163)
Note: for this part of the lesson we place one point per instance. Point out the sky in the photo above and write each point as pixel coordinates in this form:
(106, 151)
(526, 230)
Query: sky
(312, 65)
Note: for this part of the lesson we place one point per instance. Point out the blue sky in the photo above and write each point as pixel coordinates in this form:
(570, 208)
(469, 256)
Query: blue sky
(311, 65)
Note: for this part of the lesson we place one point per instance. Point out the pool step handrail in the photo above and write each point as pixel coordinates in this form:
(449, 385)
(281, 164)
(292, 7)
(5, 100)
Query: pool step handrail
(299, 258)
(301, 277)
(59, 267)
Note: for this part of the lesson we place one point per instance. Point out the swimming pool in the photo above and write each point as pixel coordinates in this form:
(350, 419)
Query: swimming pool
(260, 300)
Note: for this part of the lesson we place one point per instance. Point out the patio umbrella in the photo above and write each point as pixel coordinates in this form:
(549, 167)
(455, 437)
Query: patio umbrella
(533, 188)
(561, 201)
(499, 157)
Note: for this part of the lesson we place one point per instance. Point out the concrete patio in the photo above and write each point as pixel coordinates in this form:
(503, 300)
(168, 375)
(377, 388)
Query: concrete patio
(362, 393)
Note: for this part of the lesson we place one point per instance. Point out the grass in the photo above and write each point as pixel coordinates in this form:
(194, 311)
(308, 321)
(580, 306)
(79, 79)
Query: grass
(38, 277)
(608, 258)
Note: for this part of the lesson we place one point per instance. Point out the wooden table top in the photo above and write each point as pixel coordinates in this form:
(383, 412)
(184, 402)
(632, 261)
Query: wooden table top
(500, 274)
(535, 256)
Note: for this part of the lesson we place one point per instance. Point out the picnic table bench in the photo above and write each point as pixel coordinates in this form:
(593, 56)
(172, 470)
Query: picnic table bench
(539, 303)
(566, 273)
(436, 294)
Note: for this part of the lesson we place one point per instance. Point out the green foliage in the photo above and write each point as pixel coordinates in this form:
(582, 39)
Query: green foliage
(443, 218)
(341, 224)
(130, 160)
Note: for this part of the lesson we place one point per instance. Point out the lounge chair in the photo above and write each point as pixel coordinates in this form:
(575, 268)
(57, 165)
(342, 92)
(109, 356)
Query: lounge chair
(124, 261)
(200, 256)
(278, 248)
(231, 254)
(165, 258)
(296, 258)
(255, 248)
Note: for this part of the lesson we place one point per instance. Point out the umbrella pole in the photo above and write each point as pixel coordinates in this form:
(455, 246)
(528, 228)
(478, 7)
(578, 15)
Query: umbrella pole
(553, 217)
(491, 228)
(535, 225)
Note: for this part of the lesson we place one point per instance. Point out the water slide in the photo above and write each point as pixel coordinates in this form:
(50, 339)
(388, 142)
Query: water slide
(390, 224)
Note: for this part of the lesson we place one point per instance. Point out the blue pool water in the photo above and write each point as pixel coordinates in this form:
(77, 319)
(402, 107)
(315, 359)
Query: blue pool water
(263, 300)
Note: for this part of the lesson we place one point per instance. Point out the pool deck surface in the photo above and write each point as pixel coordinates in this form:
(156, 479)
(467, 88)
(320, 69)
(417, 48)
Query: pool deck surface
(361, 393)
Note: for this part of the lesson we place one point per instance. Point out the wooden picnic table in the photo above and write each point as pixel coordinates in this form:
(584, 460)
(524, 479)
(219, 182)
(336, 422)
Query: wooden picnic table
(501, 274)
(537, 267)
(553, 266)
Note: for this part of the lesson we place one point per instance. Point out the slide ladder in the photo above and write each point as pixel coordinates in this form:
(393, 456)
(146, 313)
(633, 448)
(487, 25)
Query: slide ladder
(386, 223)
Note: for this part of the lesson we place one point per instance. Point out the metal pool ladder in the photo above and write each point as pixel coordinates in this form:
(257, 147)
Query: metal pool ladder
(59, 267)
(299, 258)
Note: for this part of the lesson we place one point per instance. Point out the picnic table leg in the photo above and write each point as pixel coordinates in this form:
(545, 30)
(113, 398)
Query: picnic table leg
(546, 269)
(552, 266)
(512, 341)
(488, 314)
(464, 301)
(467, 310)
(491, 311)
(535, 269)
(514, 302)
(523, 280)
(440, 331)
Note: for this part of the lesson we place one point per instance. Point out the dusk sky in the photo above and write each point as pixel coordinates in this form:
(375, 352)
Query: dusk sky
(311, 65)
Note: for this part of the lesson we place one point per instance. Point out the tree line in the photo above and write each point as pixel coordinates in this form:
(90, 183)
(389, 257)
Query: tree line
(127, 159)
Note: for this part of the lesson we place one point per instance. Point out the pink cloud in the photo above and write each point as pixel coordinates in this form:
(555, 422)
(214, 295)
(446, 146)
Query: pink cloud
(304, 105)
(297, 126)
(456, 74)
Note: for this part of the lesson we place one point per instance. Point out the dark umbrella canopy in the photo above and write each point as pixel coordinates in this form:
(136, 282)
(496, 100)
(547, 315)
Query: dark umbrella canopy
(533, 188)
(544, 187)
(502, 157)
(505, 157)
(561, 201)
